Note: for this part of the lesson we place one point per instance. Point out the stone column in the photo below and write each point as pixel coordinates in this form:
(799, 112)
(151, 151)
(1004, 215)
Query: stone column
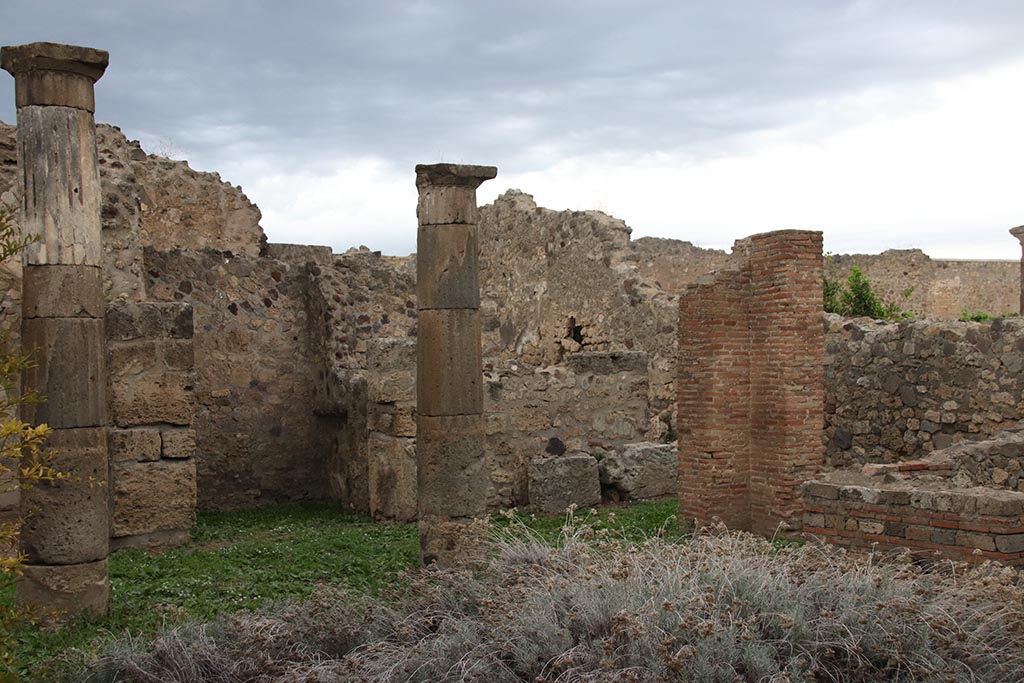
(65, 533)
(451, 473)
(1018, 232)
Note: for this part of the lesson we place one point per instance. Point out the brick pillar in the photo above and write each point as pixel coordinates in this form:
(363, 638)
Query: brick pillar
(750, 385)
(65, 534)
(714, 401)
(1018, 232)
(451, 474)
(787, 359)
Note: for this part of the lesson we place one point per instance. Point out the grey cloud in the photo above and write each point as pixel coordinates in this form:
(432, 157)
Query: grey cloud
(410, 80)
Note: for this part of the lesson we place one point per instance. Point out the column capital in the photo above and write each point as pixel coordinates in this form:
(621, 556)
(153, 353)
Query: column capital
(53, 74)
(1018, 232)
(465, 175)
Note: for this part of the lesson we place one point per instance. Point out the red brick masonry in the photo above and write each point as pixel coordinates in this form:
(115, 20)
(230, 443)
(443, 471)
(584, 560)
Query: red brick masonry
(750, 386)
(972, 524)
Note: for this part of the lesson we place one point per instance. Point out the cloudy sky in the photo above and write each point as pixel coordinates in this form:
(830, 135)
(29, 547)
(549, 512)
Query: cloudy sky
(886, 124)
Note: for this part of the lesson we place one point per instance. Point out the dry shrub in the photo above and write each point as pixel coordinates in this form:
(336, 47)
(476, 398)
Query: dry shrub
(723, 607)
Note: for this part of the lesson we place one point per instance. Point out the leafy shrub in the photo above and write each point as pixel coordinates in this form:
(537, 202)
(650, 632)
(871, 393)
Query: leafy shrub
(591, 608)
(855, 297)
(22, 461)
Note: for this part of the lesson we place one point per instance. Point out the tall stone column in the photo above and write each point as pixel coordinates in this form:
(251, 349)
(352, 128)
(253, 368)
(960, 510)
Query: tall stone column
(1018, 232)
(451, 473)
(66, 531)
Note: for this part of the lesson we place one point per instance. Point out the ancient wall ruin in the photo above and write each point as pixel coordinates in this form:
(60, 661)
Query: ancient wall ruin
(302, 385)
(896, 390)
(750, 390)
(938, 288)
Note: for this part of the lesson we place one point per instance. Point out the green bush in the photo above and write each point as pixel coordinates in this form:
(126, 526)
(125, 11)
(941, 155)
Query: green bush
(856, 298)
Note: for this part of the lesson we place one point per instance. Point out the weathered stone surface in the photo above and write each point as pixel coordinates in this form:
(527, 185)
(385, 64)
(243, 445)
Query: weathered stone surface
(452, 542)
(447, 204)
(153, 496)
(448, 369)
(58, 154)
(69, 371)
(66, 521)
(64, 591)
(178, 443)
(392, 473)
(468, 175)
(130, 320)
(446, 266)
(54, 74)
(151, 382)
(134, 445)
(556, 483)
(60, 291)
(638, 471)
(451, 468)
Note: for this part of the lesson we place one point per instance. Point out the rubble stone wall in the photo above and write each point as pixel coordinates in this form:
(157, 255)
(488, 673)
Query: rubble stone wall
(896, 390)
(257, 440)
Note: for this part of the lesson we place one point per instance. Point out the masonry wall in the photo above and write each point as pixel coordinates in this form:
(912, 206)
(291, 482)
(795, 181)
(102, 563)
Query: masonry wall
(750, 358)
(897, 390)
(939, 288)
(257, 440)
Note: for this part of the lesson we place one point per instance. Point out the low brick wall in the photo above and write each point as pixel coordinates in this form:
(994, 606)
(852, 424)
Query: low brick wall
(865, 512)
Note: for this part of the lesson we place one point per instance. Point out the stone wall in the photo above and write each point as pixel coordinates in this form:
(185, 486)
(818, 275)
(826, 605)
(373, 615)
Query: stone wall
(257, 439)
(557, 282)
(895, 390)
(939, 288)
(151, 379)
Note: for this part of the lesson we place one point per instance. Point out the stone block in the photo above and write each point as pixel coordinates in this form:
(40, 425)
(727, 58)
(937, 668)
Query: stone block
(449, 373)
(143, 392)
(133, 445)
(444, 204)
(131, 320)
(178, 443)
(153, 496)
(1010, 543)
(57, 159)
(58, 291)
(390, 353)
(446, 267)
(391, 387)
(555, 483)
(391, 464)
(970, 539)
(392, 419)
(452, 476)
(640, 470)
(67, 521)
(816, 489)
(446, 542)
(64, 591)
(69, 371)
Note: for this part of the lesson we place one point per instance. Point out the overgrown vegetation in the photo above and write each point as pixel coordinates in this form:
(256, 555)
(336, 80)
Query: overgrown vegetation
(247, 559)
(981, 316)
(23, 462)
(597, 608)
(854, 297)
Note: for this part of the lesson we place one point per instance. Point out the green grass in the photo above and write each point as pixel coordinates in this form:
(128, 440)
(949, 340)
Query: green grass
(244, 560)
